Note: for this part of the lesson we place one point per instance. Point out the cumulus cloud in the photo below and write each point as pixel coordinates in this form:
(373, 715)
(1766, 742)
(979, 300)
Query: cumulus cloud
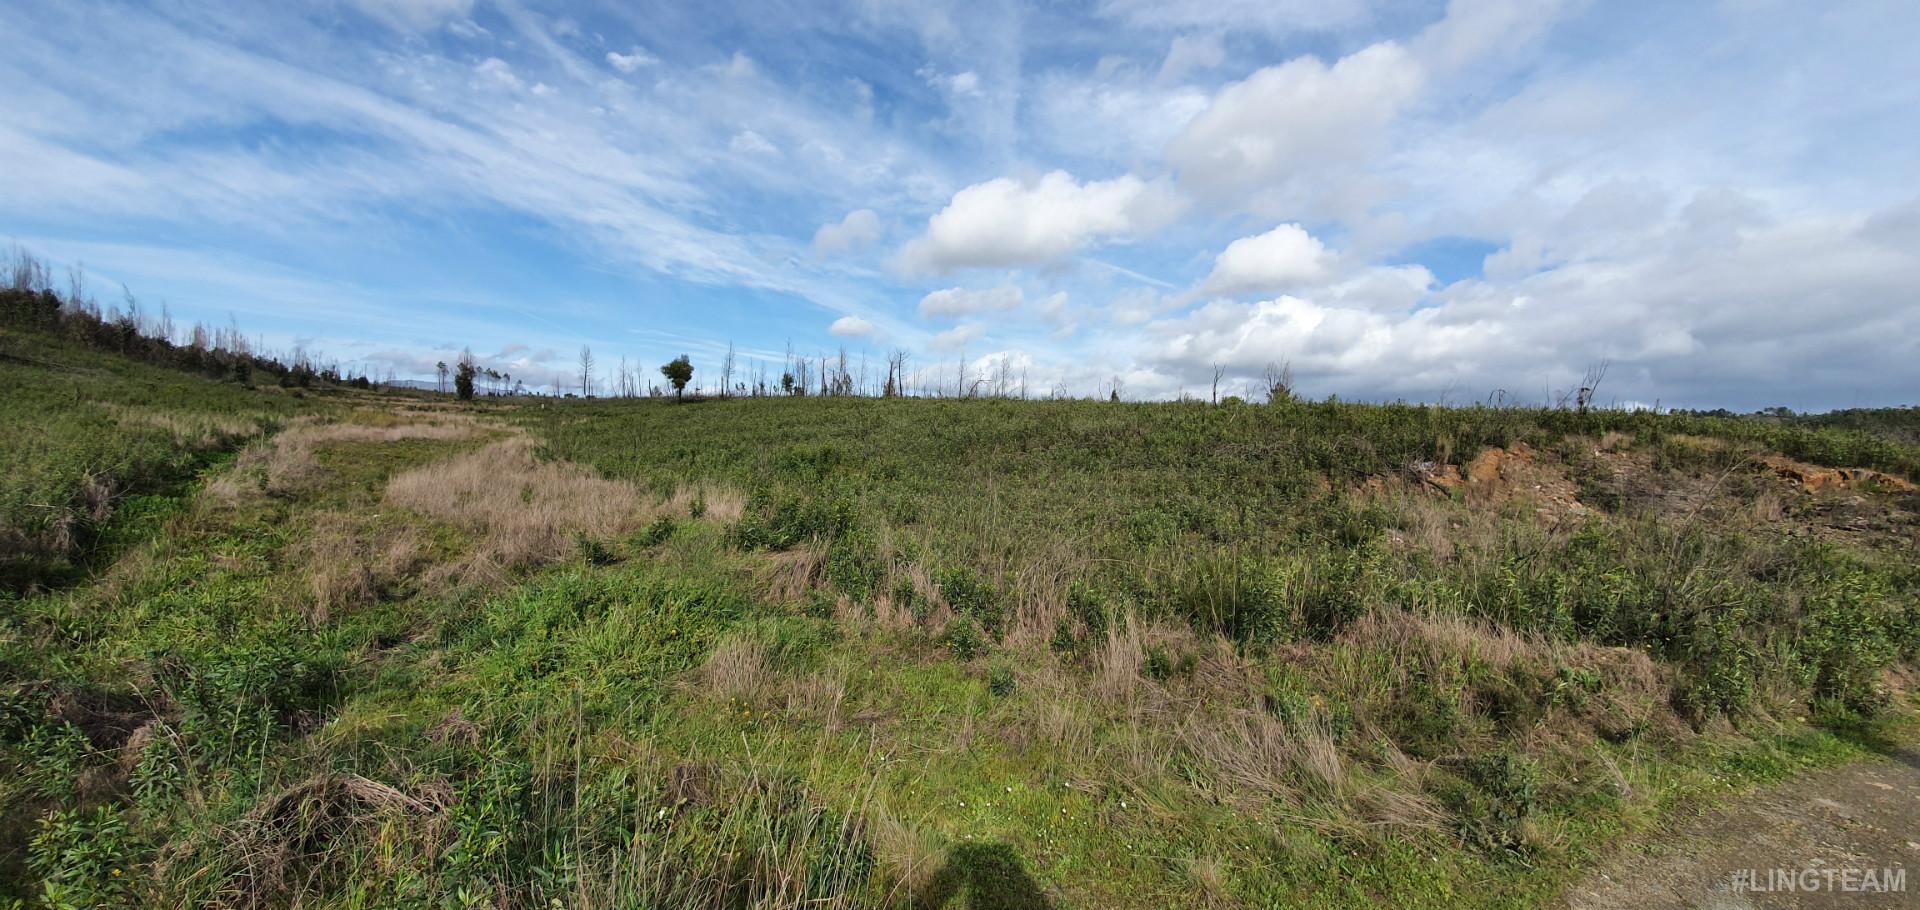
(859, 229)
(1682, 314)
(851, 327)
(955, 302)
(1388, 288)
(631, 62)
(957, 337)
(1287, 122)
(1009, 222)
(1285, 257)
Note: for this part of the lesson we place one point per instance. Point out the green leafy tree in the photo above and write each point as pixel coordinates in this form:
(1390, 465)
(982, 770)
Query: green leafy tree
(463, 378)
(678, 371)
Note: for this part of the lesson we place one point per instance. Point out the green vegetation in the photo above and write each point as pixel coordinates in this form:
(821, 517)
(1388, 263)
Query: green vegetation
(408, 652)
(93, 435)
(679, 372)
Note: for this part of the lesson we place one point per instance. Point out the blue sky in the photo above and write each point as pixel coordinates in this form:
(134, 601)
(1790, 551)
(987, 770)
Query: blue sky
(1400, 199)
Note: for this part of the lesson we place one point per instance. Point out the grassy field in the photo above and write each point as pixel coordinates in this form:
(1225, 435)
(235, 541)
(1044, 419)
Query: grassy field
(89, 431)
(350, 650)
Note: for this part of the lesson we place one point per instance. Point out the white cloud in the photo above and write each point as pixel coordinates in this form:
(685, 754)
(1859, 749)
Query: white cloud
(1123, 117)
(414, 15)
(1008, 222)
(1689, 313)
(468, 29)
(1283, 258)
(957, 337)
(858, 230)
(631, 62)
(1278, 17)
(1285, 123)
(740, 66)
(851, 327)
(748, 142)
(1191, 54)
(497, 72)
(1389, 288)
(966, 85)
(1473, 29)
(953, 302)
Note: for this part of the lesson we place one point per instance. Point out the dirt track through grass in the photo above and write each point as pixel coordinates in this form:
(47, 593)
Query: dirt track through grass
(1861, 816)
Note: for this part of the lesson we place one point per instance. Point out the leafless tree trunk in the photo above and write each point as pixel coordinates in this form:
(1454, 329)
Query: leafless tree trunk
(1591, 383)
(1279, 378)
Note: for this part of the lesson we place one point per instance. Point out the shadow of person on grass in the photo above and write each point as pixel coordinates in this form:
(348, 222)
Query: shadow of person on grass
(985, 876)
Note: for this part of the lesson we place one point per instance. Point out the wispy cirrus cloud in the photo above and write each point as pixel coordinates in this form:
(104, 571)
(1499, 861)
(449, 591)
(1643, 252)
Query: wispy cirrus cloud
(1400, 198)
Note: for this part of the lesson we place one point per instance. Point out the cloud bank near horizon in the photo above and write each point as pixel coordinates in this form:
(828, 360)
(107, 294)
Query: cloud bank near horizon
(1402, 199)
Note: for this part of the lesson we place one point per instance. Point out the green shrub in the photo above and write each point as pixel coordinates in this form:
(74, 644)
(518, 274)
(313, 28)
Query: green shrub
(1339, 588)
(963, 638)
(1238, 598)
(593, 552)
(907, 596)
(854, 564)
(1161, 663)
(82, 858)
(1090, 608)
(1000, 680)
(657, 532)
(1501, 793)
(971, 596)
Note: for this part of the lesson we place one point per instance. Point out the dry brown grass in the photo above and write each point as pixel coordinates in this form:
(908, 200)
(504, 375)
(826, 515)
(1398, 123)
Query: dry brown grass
(789, 574)
(275, 849)
(194, 428)
(1208, 875)
(350, 561)
(523, 511)
(1117, 661)
(819, 698)
(911, 859)
(287, 465)
(739, 669)
(1396, 804)
(1252, 754)
(1444, 636)
(720, 503)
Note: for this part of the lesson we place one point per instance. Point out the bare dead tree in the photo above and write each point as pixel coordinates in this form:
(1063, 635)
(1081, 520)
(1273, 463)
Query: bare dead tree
(1218, 371)
(586, 372)
(1279, 379)
(1590, 383)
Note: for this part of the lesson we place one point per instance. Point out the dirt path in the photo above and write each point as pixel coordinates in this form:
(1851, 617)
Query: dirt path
(1813, 830)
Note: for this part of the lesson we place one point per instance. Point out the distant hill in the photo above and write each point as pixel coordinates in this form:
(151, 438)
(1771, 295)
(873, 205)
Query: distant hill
(419, 384)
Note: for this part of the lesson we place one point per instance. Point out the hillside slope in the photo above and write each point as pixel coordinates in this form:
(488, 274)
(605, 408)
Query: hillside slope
(89, 431)
(923, 653)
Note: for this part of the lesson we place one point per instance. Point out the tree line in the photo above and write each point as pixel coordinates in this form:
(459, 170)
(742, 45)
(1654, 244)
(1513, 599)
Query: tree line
(30, 301)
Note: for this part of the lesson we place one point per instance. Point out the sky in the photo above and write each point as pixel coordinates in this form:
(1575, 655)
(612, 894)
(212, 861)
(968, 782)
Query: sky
(1453, 202)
